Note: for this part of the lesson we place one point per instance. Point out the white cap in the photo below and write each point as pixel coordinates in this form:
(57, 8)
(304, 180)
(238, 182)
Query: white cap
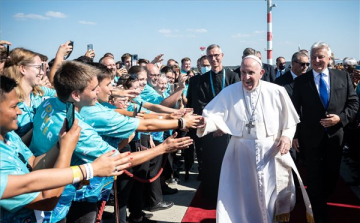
(255, 58)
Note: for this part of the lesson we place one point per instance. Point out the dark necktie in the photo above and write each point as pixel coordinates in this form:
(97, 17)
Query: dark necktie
(324, 96)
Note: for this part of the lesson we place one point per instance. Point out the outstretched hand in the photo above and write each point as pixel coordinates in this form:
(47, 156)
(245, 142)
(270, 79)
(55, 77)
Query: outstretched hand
(125, 93)
(173, 144)
(109, 164)
(192, 121)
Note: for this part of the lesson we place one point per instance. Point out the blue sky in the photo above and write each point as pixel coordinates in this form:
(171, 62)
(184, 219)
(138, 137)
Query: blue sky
(178, 28)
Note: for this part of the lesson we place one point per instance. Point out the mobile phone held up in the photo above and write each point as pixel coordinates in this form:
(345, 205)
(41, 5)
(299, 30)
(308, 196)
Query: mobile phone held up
(70, 115)
(69, 53)
(90, 47)
(136, 111)
(134, 59)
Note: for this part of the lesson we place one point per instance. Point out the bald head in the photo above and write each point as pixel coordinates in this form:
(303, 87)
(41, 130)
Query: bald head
(152, 74)
(109, 62)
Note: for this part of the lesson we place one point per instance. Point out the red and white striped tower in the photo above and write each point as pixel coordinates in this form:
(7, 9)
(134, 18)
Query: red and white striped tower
(269, 31)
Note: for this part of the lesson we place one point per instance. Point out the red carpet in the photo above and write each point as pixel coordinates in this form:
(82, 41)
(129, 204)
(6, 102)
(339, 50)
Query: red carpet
(343, 207)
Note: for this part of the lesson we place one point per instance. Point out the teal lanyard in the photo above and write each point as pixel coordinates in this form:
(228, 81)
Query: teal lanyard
(212, 84)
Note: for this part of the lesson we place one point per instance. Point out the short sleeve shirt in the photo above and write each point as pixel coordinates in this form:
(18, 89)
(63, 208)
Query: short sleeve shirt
(47, 124)
(26, 119)
(13, 161)
(109, 124)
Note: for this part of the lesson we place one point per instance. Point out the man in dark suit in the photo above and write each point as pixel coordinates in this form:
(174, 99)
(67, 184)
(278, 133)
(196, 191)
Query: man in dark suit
(269, 74)
(280, 67)
(193, 102)
(299, 66)
(326, 102)
(211, 84)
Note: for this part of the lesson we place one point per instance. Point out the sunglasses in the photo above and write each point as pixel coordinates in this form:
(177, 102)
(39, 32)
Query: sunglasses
(303, 64)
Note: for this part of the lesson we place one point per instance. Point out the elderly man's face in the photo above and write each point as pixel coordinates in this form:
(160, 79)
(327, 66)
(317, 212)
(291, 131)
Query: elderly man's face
(300, 66)
(251, 73)
(153, 75)
(161, 85)
(319, 59)
(110, 64)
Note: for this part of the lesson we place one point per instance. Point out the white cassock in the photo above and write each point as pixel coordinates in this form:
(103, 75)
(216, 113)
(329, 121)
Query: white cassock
(256, 181)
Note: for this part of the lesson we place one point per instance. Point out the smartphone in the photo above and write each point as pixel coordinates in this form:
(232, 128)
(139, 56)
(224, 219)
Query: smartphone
(90, 47)
(136, 111)
(70, 115)
(70, 44)
(7, 51)
(122, 65)
(134, 59)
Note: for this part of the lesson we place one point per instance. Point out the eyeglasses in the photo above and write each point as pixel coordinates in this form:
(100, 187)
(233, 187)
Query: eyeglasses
(154, 75)
(39, 67)
(214, 55)
(303, 64)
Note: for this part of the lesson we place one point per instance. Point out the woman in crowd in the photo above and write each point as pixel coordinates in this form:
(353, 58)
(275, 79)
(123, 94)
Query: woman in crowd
(27, 69)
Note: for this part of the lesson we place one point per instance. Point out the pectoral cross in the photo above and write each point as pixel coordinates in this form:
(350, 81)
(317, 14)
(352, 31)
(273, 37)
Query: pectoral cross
(250, 126)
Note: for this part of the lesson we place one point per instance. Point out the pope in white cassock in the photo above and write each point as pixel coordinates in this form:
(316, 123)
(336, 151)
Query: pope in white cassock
(256, 183)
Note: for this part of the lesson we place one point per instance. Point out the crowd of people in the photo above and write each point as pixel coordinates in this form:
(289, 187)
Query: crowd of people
(133, 115)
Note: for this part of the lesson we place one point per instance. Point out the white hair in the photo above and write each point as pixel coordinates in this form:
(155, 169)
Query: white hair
(320, 45)
(349, 61)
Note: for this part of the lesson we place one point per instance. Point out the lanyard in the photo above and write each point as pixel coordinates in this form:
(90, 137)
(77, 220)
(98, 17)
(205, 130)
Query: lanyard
(212, 84)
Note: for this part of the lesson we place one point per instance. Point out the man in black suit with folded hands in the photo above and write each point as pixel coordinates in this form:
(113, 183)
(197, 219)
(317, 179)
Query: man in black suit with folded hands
(326, 102)
(299, 66)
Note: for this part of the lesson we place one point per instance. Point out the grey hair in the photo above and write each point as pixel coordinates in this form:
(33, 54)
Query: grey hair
(248, 51)
(349, 61)
(320, 45)
(163, 75)
(295, 56)
(212, 46)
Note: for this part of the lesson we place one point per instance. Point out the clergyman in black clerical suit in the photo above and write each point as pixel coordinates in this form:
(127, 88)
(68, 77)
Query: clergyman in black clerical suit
(326, 102)
(214, 145)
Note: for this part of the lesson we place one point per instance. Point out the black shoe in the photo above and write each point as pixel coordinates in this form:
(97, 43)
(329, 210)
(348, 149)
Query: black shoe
(162, 205)
(147, 215)
(168, 190)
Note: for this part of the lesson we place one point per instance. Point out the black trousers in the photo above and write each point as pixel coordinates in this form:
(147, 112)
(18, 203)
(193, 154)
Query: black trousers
(189, 155)
(141, 191)
(124, 186)
(323, 166)
(214, 149)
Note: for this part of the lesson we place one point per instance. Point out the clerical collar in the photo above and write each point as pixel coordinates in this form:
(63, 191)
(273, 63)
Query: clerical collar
(220, 72)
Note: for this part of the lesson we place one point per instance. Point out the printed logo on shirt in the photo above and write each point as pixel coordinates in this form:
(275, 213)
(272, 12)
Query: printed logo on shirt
(45, 115)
